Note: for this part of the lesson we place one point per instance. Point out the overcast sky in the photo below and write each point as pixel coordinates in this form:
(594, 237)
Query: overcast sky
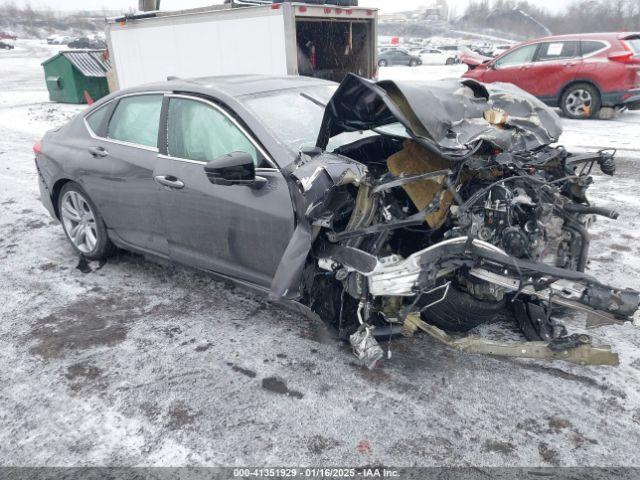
(385, 5)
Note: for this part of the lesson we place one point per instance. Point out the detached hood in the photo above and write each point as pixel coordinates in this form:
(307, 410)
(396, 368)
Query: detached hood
(447, 114)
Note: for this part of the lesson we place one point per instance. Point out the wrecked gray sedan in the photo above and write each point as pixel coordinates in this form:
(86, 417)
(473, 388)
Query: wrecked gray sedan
(383, 208)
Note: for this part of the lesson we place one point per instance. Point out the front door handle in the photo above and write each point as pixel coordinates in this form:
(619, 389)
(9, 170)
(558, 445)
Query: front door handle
(169, 181)
(98, 152)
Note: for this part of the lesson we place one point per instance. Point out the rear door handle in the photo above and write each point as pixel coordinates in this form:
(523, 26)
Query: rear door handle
(169, 181)
(98, 152)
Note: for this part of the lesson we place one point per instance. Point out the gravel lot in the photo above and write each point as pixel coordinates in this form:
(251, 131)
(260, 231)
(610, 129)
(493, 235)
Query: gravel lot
(145, 364)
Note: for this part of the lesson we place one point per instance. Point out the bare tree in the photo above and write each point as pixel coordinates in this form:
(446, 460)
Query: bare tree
(148, 5)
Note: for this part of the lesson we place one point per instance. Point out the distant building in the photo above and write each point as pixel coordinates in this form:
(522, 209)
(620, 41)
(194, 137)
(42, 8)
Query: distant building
(392, 17)
(435, 11)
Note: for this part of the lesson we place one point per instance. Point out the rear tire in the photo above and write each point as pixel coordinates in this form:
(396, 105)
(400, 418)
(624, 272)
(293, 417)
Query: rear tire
(459, 311)
(449, 61)
(580, 101)
(382, 63)
(413, 63)
(82, 223)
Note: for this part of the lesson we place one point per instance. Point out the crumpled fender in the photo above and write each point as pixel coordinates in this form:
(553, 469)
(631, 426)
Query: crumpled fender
(313, 181)
(446, 114)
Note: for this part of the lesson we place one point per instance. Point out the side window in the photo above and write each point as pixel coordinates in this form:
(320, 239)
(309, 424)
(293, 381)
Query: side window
(197, 131)
(558, 51)
(517, 57)
(136, 120)
(590, 46)
(96, 119)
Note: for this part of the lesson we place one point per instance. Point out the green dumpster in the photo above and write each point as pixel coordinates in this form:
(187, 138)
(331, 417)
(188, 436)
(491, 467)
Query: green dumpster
(74, 76)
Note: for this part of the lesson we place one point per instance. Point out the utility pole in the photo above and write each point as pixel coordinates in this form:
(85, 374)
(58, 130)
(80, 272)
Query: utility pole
(148, 5)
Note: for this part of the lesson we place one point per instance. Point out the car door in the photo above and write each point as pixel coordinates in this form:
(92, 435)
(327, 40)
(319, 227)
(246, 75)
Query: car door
(513, 67)
(597, 67)
(397, 58)
(392, 57)
(432, 57)
(120, 155)
(555, 65)
(235, 230)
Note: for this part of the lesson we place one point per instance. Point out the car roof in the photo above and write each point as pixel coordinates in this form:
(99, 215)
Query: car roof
(234, 85)
(585, 36)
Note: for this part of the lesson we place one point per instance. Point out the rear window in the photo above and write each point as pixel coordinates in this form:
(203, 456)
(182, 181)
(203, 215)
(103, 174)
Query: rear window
(557, 51)
(96, 120)
(136, 120)
(634, 44)
(590, 46)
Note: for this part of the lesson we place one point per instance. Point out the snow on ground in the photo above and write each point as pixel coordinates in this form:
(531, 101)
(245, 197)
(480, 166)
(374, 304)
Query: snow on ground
(144, 364)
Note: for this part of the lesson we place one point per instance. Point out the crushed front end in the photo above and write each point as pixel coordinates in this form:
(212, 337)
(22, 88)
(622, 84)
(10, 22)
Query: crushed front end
(453, 210)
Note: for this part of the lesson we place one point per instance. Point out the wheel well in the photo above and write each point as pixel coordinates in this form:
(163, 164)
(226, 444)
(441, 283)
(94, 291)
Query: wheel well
(575, 82)
(55, 193)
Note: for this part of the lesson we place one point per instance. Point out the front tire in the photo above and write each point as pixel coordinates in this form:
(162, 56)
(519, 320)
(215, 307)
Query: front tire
(413, 63)
(449, 61)
(82, 223)
(580, 101)
(458, 311)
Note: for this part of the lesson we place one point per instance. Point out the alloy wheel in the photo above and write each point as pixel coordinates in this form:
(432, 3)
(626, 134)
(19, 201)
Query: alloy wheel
(79, 221)
(579, 102)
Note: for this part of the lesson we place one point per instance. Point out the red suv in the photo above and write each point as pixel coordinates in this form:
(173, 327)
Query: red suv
(578, 73)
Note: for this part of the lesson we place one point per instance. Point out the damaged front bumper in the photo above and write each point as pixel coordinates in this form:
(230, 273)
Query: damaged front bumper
(393, 276)
(396, 277)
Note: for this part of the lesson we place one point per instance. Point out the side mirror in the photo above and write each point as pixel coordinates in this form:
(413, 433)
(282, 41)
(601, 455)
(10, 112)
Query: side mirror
(235, 168)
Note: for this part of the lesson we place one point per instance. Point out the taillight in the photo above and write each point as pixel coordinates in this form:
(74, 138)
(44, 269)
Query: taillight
(625, 56)
(37, 147)
(622, 56)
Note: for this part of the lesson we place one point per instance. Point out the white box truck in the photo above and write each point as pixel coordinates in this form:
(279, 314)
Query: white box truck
(323, 41)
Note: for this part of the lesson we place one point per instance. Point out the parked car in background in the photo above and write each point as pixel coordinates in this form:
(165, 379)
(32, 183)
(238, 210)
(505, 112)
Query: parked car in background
(86, 42)
(581, 74)
(7, 36)
(453, 50)
(6, 45)
(60, 39)
(433, 56)
(481, 50)
(394, 49)
(398, 57)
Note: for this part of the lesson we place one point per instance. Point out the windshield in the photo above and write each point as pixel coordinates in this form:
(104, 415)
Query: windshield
(294, 116)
